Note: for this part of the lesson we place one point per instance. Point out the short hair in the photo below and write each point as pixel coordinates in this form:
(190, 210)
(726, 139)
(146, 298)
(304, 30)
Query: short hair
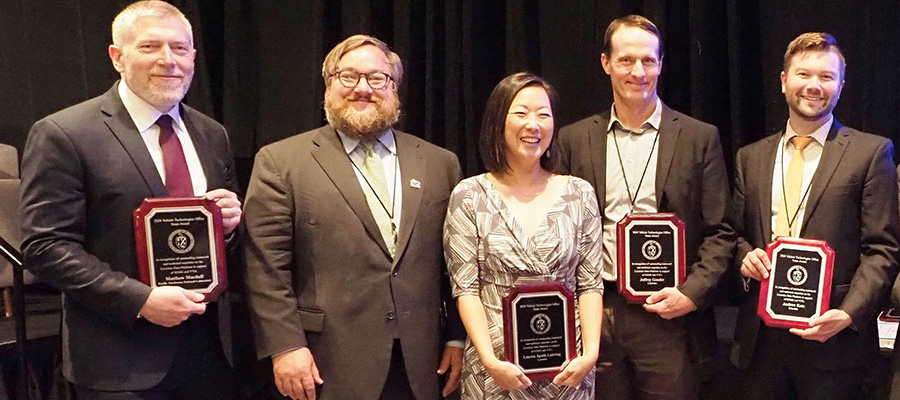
(631, 21)
(330, 65)
(121, 26)
(813, 41)
(492, 141)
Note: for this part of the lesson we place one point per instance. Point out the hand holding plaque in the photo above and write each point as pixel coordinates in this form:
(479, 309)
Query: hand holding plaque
(539, 328)
(798, 288)
(180, 243)
(651, 254)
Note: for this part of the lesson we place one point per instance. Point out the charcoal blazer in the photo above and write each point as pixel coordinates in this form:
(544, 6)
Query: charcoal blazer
(85, 169)
(852, 204)
(320, 275)
(692, 182)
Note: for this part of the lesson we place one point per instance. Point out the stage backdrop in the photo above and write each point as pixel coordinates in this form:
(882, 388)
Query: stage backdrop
(259, 61)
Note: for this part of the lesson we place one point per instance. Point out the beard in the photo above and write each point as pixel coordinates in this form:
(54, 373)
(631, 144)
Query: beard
(811, 114)
(156, 93)
(366, 124)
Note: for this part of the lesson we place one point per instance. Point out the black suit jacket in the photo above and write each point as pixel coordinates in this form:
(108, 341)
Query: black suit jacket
(852, 204)
(319, 273)
(84, 171)
(691, 181)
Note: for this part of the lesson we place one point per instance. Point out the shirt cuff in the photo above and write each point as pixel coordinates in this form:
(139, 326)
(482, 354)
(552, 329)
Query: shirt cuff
(286, 351)
(459, 344)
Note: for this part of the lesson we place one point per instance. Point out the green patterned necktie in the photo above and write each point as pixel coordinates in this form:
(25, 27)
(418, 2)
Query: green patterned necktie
(380, 202)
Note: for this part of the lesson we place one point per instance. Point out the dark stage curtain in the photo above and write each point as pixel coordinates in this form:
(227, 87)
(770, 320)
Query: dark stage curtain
(259, 61)
(258, 67)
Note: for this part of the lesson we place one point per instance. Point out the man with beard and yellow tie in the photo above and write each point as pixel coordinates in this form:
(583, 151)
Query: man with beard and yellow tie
(345, 272)
(816, 180)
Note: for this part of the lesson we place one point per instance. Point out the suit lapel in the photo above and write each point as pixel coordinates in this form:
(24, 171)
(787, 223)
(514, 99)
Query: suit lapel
(835, 146)
(669, 130)
(763, 180)
(412, 166)
(330, 155)
(122, 127)
(597, 138)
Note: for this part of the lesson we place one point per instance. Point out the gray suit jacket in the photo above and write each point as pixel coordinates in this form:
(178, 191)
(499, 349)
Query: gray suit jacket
(852, 205)
(84, 171)
(692, 182)
(319, 273)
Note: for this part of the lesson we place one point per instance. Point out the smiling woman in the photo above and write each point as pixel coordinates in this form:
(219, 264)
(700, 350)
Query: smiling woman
(492, 142)
(529, 126)
(548, 230)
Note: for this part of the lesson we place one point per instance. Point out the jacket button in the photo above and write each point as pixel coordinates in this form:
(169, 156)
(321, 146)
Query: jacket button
(395, 273)
(390, 316)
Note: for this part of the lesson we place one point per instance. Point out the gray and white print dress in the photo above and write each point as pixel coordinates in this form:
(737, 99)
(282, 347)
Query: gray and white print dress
(488, 254)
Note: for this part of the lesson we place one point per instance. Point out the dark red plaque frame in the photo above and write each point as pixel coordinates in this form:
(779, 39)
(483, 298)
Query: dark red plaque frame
(509, 331)
(155, 205)
(623, 277)
(770, 317)
(889, 315)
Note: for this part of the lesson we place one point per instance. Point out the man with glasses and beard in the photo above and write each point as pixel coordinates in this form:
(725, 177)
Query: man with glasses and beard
(819, 180)
(345, 274)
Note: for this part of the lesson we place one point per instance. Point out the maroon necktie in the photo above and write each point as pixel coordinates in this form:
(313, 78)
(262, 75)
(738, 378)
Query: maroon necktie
(178, 178)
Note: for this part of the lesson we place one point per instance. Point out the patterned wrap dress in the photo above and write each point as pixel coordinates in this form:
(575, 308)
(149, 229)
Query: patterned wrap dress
(488, 254)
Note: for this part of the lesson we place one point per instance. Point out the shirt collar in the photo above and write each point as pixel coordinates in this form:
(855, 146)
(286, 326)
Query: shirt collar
(386, 139)
(820, 135)
(654, 120)
(143, 113)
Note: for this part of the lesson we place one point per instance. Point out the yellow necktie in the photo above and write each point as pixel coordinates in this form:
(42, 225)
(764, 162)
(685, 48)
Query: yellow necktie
(793, 182)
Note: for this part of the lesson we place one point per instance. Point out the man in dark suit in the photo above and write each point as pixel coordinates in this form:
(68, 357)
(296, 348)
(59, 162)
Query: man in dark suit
(344, 254)
(641, 156)
(85, 170)
(847, 196)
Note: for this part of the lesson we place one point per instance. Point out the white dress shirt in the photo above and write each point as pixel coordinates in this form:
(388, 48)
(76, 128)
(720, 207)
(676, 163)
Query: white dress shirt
(144, 117)
(638, 151)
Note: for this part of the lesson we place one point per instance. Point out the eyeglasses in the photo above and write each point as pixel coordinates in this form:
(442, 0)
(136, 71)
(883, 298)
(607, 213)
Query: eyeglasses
(376, 80)
(628, 64)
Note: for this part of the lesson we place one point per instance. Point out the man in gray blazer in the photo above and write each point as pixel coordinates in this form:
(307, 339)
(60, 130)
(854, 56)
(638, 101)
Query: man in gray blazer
(642, 156)
(84, 171)
(847, 196)
(345, 272)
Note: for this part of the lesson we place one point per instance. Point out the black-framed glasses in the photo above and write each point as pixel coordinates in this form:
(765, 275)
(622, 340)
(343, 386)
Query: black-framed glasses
(376, 80)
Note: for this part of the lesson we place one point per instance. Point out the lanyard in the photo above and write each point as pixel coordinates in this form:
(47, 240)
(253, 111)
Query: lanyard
(633, 198)
(390, 213)
(792, 219)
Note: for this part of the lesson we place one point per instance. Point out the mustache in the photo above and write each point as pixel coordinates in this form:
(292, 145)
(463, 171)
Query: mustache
(342, 115)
